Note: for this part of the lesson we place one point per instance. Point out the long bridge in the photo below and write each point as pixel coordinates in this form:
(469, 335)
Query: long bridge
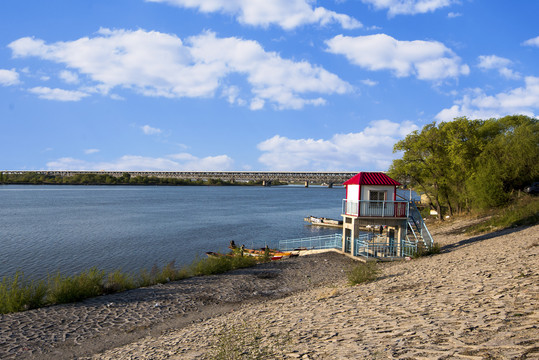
(266, 177)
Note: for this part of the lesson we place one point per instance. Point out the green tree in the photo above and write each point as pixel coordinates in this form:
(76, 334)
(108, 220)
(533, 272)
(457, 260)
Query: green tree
(126, 177)
(508, 161)
(424, 164)
(467, 164)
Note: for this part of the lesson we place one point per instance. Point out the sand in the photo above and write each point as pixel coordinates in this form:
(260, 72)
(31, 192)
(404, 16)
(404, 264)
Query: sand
(478, 299)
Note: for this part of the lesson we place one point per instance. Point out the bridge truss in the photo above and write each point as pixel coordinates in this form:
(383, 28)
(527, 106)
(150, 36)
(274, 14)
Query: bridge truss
(330, 178)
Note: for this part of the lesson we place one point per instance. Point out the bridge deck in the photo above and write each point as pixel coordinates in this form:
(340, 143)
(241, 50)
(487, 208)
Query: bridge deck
(268, 176)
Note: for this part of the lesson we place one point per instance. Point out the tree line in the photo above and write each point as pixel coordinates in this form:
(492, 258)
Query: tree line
(467, 165)
(106, 179)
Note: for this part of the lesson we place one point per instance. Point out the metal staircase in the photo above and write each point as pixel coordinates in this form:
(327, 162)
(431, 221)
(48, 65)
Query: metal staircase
(417, 228)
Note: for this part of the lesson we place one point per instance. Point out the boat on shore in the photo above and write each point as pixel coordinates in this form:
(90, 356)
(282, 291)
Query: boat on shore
(272, 254)
(322, 221)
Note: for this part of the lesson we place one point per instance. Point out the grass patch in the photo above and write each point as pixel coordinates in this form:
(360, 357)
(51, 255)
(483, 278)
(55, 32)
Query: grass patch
(362, 273)
(19, 294)
(522, 211)
(244, 341)
(65, 289)
(168, 273)
(221, 264)
(433, 250)
(118, 281)
(327, 293)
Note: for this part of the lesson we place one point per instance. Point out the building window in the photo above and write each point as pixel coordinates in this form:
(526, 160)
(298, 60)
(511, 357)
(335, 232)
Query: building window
(376, 195)
(376, 203)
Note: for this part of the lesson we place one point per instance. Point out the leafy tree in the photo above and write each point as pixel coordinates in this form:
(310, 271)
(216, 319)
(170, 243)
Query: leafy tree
(423, 164)
(467, 164)
(508, 162)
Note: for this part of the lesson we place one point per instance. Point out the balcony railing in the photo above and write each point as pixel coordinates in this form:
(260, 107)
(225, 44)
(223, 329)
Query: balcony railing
(333, 241)
(364, 208)
(377, 246)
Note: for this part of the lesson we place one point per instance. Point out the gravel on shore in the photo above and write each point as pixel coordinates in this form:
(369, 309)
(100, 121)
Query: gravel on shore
(105, 322)
(478, 299)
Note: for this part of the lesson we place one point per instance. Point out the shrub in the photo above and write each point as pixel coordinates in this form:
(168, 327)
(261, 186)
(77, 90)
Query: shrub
(212, 265)
(523, 211)
(221, 264)
(363, 272)
(433, 250)
(169, 273)
(18, 294)
(243, 262)
(145, 279)
(244, 341)
(118, 281)
(66, 289)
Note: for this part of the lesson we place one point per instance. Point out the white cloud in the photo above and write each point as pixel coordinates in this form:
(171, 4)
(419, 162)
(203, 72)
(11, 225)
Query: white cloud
(493, 62)
(69, 77)
(91, 151)
(148, 130)
(453, 15)
(232, 94)
(532, 42)
(369, 82)
(427, 60)
(370, 149)
(57, 94)
(288, 14)
(9, 77)
(177, 162)
(409, 7)
(209, 163)
(157, 64)
(478, 105)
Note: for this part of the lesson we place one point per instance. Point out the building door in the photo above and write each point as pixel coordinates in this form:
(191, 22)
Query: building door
(391, 236)
(376, 202)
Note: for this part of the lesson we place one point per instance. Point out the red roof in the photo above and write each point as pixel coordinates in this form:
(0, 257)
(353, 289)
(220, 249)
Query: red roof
(371, 178)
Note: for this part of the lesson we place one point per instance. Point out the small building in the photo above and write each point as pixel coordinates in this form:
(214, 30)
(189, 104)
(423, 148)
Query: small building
(371, 201)
(395, 226)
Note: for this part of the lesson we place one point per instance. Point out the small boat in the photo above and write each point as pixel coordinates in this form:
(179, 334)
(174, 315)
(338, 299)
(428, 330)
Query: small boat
(271, 253)
(322, 221)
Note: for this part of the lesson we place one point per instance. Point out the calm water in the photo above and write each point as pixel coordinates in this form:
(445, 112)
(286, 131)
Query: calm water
(72, 228)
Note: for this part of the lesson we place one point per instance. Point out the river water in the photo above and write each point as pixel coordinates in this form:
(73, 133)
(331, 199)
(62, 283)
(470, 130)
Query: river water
(44, 229)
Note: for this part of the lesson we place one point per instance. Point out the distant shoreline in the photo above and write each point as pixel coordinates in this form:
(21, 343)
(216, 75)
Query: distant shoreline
(31, 178)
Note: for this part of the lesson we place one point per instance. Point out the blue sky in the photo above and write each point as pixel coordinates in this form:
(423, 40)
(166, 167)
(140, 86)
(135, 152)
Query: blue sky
(297, 85)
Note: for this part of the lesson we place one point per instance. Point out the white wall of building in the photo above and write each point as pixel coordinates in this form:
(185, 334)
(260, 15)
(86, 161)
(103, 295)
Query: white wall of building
(352, 192)
(389, 189)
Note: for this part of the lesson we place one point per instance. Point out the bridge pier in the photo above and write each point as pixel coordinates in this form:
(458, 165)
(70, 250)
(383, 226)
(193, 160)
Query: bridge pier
(266, 183)
(330, 186)
(306, 183)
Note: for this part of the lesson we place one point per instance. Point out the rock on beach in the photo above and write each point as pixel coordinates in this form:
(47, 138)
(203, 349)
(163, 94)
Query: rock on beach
(478, 299)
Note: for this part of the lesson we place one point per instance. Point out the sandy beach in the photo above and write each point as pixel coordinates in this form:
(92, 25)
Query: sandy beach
(478, 299)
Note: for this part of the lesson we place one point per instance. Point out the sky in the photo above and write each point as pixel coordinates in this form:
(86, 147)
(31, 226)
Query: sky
(252, 85)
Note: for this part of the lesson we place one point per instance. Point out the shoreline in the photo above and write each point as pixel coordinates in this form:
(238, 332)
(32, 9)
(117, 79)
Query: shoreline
(108, 321)
(478, 299)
